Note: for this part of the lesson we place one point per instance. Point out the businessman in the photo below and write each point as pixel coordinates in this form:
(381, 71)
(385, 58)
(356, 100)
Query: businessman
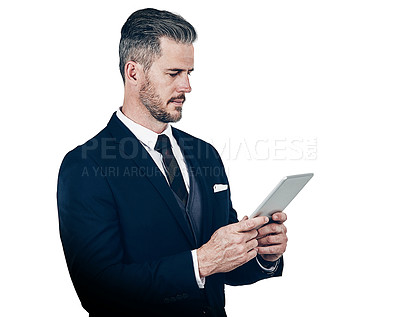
(146, 219)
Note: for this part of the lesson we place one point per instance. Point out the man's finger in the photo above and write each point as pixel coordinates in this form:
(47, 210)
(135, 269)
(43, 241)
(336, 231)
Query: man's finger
(250, 245)
(272, 249)
(272, 228)
(250, 224)
(249, 235)
(251, 254)
(280, 217)
(272, 239)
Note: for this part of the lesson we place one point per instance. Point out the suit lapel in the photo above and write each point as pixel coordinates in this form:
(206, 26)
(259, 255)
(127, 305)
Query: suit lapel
(191, 156)
(134, 149)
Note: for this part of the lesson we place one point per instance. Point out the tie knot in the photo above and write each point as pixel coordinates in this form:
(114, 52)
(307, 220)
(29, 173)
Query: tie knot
(162, 144)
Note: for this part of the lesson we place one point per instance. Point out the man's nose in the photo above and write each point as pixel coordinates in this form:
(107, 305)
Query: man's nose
(184, 84)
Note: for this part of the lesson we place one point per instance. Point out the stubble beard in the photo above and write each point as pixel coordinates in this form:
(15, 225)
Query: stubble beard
(153, 103)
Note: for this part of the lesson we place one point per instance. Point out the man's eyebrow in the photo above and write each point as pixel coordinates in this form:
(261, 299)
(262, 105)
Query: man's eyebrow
(179, 69)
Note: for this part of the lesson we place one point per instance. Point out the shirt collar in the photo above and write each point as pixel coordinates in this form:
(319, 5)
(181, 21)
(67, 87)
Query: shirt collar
(144, 135)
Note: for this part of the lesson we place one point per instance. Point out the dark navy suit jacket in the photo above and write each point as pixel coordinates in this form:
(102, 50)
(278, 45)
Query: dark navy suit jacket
(127, 243)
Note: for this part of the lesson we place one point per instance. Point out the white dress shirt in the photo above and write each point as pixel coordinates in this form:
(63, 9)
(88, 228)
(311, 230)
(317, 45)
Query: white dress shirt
(148, 139)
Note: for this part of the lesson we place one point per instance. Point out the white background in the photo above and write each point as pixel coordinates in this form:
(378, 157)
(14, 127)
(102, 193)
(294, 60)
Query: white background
(269, 77)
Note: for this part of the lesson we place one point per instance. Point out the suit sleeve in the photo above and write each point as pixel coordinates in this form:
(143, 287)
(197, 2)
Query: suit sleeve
(89, 229)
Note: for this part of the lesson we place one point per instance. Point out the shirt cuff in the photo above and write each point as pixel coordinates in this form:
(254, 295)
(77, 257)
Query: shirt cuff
(201, 281)
(269, 267)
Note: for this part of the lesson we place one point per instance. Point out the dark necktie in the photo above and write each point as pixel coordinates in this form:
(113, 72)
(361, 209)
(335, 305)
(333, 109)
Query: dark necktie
(172, 169)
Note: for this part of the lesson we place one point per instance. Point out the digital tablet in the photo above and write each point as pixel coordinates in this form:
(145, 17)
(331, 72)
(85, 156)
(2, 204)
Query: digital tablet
(282, 195)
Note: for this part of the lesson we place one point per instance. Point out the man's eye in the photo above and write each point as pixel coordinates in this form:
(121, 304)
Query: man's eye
(172, 74)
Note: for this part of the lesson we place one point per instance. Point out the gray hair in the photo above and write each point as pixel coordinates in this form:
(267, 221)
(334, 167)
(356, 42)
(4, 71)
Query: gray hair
(141, 33)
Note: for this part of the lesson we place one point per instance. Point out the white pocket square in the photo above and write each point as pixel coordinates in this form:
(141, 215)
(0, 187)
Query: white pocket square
(220, 187)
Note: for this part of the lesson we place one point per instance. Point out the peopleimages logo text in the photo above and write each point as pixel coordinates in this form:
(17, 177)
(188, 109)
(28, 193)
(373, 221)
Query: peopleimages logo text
(295, 148)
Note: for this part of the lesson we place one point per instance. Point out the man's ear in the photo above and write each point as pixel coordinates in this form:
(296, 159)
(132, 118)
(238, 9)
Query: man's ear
(132, 72)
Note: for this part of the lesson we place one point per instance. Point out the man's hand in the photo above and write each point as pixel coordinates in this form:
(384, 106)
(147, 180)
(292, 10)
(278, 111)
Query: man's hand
(272, 239)
(230, 247)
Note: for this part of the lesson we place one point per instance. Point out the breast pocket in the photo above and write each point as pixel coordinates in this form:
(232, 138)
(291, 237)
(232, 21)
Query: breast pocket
(221, 207)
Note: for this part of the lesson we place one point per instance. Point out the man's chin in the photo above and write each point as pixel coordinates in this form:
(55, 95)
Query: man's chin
(175, 116)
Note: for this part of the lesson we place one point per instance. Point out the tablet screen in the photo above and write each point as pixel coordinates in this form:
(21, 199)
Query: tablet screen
(282, 195)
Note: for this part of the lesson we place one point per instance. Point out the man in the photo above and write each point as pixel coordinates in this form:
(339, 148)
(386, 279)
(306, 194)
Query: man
(146, 219)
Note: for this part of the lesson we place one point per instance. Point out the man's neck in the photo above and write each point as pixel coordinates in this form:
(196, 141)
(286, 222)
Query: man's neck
(144, 118)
